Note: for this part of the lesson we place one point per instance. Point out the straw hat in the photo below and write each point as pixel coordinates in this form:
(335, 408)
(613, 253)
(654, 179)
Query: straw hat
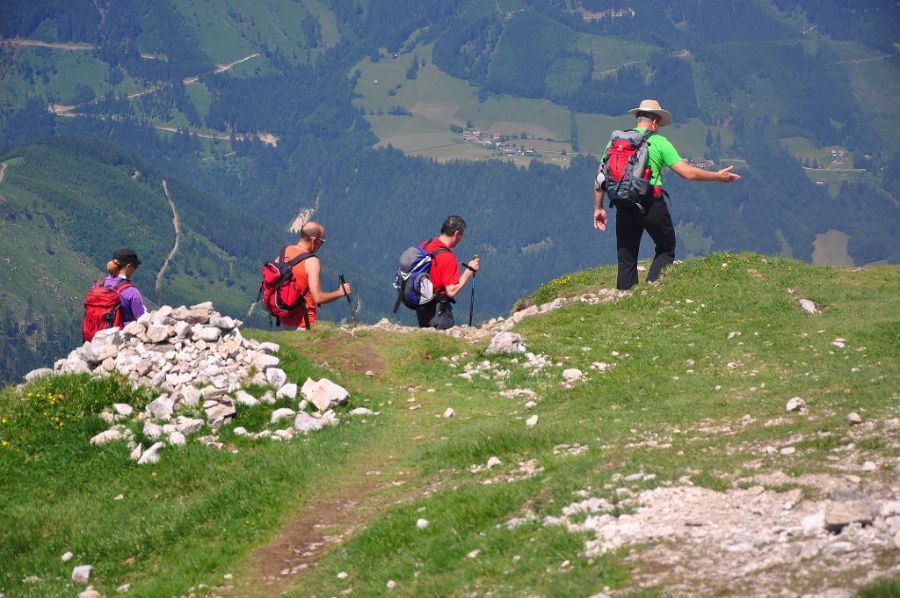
(652, 106)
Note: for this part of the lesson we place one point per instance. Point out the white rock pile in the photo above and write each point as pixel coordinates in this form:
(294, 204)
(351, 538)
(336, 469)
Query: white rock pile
(199, 361)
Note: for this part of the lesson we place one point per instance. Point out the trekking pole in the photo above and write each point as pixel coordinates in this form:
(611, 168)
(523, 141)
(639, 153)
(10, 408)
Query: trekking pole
(472, 299)
(350, 303)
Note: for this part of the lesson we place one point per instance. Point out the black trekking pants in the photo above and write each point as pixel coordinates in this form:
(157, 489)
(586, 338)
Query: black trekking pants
(630, 227)
(437, 314)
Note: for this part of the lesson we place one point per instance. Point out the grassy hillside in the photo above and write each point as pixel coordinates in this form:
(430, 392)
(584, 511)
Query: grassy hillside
(692, 396)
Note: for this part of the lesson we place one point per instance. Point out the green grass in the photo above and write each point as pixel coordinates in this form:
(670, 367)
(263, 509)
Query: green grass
(610, 52)
(658, 409)
(189, 516)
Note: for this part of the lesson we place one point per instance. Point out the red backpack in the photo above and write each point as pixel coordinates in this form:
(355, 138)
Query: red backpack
(281, 294)
(103, 307)
(626, 169)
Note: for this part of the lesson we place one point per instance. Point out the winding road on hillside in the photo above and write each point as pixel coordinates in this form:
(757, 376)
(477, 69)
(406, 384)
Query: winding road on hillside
(36, 43)
(177, 223)
(2, 171)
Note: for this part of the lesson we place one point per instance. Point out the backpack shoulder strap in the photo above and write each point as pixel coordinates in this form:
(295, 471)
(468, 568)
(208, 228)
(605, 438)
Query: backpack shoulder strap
(300, 258)
(122, 284)
(437, 251)
(98, 283)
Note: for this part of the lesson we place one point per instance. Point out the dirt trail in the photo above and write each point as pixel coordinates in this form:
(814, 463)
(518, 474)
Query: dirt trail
(367, 486)
(2, 171)
(177, 223)
(221, 68)
(36, 43)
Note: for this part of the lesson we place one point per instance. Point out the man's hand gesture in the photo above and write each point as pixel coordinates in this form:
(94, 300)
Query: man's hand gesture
(600, 219)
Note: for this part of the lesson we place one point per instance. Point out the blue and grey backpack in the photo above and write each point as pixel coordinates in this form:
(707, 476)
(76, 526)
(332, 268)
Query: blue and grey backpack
(413, 281)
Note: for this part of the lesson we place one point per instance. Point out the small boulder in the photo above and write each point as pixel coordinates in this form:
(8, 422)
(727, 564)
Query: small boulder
(838, 515)
(220, 414)
(82, 573)
(110, 435)
(188, 425)
(161, 407)
(246, 399)
(288, 391)
(151, 455)
(325, 394)
(506, 342)
(795, 404)
(572, 375)
(808, 306)
(152, 431)
(853, 418)
(276, 377)
(38, 373)
(280, 414)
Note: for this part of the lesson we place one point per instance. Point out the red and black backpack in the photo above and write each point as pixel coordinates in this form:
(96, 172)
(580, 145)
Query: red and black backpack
(280, 292)
(103, 307)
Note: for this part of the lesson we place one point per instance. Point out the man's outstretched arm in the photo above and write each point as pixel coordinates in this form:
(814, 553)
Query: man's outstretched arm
(692, 173)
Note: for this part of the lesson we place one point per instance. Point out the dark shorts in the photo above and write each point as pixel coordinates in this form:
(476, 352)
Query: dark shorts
(437, 314)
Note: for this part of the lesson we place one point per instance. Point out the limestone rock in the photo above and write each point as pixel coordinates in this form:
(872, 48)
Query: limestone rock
(220, 414)
(304, 422)
(572, 375)
(123, 409)
(838, 515)
(210, 334)
(280, 414)
(287, 391)
(38, 373)
(325, 394)
(795, 404)
(82, 573)
(151, 455)
(808, 306)
(245, 399)
(505, 342)
(276, 377)
(853, 418)
(157, 333)
(188, 425)
(361, 411)
(108, 436)
(263, 361)
(152, 431)
(161, 407)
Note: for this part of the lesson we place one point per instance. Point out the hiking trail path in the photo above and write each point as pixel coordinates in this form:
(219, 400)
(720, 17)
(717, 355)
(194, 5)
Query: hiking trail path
(2, 171)
(176, 222)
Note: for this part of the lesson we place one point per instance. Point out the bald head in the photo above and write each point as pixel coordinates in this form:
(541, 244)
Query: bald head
(312, 230)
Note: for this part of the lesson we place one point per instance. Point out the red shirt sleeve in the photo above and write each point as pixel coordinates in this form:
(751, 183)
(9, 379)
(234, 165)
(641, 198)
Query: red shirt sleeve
(444, 268)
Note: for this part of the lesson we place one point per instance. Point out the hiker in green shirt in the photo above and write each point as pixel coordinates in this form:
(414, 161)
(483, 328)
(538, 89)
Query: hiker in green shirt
(653, 214)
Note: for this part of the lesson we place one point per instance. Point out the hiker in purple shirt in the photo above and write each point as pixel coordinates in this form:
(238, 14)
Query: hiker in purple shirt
(122, 265)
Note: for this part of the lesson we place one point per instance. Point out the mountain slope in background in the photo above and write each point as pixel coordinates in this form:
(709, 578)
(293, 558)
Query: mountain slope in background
(67, 204)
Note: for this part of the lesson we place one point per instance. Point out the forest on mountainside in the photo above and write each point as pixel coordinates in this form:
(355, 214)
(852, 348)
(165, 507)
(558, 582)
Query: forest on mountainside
(751, 69)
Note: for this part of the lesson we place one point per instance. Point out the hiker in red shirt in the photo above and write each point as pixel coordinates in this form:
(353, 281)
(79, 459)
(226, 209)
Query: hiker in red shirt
(307, 273)
(445, 275)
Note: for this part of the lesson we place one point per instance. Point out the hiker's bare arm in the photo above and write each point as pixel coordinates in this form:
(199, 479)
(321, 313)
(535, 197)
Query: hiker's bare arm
(313, 273)
(692, 173)
(599, 212)
(454, 289)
